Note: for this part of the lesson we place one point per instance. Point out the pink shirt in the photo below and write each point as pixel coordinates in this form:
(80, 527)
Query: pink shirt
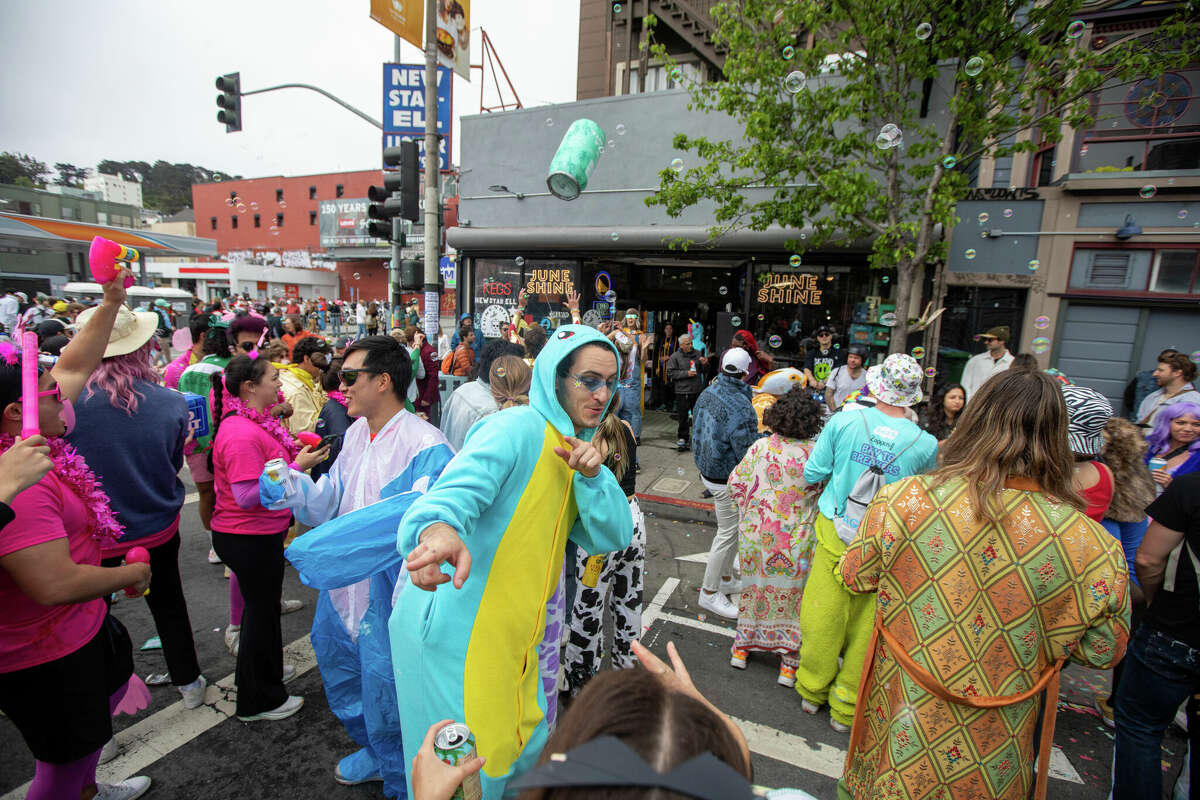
(239, 453)
(176, 368)
(31, 633)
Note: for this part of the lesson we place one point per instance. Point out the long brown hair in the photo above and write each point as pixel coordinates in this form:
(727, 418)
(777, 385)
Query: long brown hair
(509, 379)
(610, 439)
(1015, 425)
(665, 727)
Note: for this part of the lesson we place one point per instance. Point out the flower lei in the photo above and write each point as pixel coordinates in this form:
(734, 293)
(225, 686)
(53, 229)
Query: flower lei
(270, 424)
(71, 469)
(338, 396)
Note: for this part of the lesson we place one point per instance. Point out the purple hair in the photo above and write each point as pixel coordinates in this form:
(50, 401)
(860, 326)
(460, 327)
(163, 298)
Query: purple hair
(118, 376)
(1162, 426)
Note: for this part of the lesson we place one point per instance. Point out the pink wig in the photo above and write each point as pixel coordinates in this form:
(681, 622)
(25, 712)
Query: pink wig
(119, 376)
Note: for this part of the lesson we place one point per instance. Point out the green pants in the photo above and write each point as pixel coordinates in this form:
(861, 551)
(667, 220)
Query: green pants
(833, 622)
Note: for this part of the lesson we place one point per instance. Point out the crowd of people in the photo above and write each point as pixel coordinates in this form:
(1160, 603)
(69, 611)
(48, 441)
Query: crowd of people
(923, 569)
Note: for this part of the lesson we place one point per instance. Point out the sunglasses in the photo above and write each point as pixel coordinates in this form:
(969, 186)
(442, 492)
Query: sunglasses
(247, 346)
(592, 385)
(56, 393)
(350, 376)
(986, 339)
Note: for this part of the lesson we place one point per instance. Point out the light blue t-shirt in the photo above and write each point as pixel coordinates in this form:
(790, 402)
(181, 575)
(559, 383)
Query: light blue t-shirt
(846, 447)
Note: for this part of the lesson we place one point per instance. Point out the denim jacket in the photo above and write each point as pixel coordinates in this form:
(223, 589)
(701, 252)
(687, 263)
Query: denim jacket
(725, 426)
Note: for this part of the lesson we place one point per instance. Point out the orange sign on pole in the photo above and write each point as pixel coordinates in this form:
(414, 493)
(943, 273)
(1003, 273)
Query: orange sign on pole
(405, 18)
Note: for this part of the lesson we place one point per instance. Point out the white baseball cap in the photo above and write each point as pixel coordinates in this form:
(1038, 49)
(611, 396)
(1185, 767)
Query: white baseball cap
(736, 361)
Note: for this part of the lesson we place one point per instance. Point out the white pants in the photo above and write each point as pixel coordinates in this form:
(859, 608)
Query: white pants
(723, 554)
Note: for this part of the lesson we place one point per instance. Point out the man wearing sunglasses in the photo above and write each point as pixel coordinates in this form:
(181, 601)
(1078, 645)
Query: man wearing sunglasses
(526, 480)
(301, 381)
(992, 361)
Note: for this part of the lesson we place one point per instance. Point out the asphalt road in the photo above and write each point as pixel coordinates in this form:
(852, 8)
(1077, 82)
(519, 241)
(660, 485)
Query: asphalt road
(205, 753)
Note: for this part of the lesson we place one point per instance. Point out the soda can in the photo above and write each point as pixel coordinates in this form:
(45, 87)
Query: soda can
(279, 473)
(1157, 463)
(576, 157)
(455, 745)
(592, 569)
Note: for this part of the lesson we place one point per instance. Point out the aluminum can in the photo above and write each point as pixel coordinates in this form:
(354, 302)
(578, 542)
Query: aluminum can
(593, 566)
(1157, 463)
(455, 745)
(576, 157)
(279, 473)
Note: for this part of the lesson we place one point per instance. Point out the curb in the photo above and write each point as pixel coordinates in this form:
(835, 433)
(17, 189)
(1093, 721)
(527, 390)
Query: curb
(677, 508)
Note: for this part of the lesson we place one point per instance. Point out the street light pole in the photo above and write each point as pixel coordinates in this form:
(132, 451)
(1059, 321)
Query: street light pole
(432, 172)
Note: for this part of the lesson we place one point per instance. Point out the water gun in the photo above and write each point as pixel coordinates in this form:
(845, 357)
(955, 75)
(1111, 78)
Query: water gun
(308, 439)
(29, 385)
(136, 555)
(103, 256)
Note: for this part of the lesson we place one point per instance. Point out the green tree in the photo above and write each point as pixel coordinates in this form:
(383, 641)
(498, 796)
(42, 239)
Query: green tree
(19, 166)
(863, 118)
(165, 186)
(70, 175)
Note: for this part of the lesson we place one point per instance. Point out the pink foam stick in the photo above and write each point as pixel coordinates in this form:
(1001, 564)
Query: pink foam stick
(136, 555)
(29, 385)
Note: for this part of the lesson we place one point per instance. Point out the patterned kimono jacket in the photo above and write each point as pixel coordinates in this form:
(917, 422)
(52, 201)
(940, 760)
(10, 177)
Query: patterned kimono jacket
(974, 619)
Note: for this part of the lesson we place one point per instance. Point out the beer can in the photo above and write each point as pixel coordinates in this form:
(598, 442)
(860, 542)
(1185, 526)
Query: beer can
(279, 473)
(455, 745)
(576, 157)
(1157, 463)
(591, 570)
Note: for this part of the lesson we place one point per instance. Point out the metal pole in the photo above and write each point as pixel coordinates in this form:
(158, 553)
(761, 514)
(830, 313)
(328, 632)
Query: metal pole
(397, 223)
(432, 167)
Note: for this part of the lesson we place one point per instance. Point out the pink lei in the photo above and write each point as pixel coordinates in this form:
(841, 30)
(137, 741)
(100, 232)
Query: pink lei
(338, 396)
(269, 423)
(71, 469)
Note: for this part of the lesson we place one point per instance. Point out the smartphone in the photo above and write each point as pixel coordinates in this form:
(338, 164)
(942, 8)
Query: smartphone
(328, 441)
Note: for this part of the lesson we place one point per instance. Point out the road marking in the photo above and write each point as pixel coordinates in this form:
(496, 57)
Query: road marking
(191, 498)
(696, 558)
(699, 625)
(1060, 766)
(174, 726)
(654, 610)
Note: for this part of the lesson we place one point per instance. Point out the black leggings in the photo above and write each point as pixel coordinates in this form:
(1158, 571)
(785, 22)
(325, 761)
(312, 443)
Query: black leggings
(168, 606)
(257, 560)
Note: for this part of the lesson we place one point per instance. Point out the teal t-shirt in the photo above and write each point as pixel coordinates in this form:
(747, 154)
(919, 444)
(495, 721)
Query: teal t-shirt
(846, 447)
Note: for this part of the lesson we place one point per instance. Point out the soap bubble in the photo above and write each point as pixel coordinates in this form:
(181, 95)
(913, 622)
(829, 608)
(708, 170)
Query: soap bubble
(501, 372)
(1008, 212)
(229, 202)
(283, 204)
(1034, 264)
(924, 30)
(677, 164)
(1041, 344)
(680, 472)
(275, 232)
(974, 66)
(614, 236)
(885, 279)
(1195, 356)
(970, 254)
(216, 178)
(775, 341)
(724, 290)
(1148, 191)
(794, 81)
(949, 161)
(983, 217)
(836, 345)
(677, 74)
(735, 321)
(616, 8)
(611, 144)
(889, 136)
(930, 372)
(254, 205)
(795, 260)
(241, 208)
(1182, 213)
(761, 317)
(520, 261)
(549, 122)
(983, 235)
(918, 352)
(620, 129)
(1041, 323)
(1075, 29)
(788, 52)
(357, 276)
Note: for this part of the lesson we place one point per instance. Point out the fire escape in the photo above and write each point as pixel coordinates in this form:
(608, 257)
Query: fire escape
(689, 20)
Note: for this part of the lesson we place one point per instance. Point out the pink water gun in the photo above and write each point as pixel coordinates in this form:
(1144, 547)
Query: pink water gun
(103, 256)
(29, 385)
(308, 439)
(136, 555)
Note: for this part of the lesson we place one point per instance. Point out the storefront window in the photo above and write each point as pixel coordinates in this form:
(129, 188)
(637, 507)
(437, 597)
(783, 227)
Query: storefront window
(1152, 125)
(498, 284)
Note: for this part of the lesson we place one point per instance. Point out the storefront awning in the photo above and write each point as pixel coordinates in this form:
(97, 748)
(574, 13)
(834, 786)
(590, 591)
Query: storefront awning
(41, 233)
(614, 239)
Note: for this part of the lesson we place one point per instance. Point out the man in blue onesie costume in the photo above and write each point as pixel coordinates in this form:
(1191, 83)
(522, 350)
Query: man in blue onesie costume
(526, 480)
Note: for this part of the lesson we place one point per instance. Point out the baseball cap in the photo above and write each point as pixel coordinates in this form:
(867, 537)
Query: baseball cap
(736, 361)
(1000, 332)
(857, 350)
(1087, 411)
(822, 329)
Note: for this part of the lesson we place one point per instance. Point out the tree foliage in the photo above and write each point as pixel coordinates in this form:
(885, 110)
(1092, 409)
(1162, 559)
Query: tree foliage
(22, 169)
(166, 187)
(70, 175)
(865, 117)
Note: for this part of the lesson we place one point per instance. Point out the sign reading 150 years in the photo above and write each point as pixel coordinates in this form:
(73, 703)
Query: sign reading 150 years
(791, 289)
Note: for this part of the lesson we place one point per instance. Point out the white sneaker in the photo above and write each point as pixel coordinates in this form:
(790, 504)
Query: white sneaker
(109, 751)
(809, 706)
(731, 586)
(289, 672)
(285, 710)
(718, 604)
(233, 635)
(128, 789)
(193, 693)
(213, 558)
(840, 727)
(288, 606)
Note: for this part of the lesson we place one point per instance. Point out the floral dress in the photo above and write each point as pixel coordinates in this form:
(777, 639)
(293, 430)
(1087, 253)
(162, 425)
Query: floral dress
(778, 511)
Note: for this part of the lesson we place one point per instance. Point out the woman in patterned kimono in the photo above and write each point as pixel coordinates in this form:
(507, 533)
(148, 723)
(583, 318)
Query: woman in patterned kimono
(988, 578)
(778, 510)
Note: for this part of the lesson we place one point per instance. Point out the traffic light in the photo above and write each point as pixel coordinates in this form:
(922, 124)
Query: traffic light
(230, 101)
(406, 179)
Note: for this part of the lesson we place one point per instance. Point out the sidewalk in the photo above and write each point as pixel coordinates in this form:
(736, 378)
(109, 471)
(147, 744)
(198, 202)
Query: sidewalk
(669, 484)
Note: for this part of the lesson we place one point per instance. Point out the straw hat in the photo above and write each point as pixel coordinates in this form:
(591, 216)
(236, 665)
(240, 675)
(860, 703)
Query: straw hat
(131, 330)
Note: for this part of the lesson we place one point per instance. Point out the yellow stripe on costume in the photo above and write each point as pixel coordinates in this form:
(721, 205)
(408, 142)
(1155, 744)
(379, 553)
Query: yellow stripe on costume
(501, 681)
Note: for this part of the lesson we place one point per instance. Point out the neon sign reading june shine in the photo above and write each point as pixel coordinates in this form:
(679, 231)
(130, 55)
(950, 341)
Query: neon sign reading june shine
(792, 290)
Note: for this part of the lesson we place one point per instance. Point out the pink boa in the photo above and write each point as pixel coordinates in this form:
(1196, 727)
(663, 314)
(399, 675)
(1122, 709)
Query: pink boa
(263, 419)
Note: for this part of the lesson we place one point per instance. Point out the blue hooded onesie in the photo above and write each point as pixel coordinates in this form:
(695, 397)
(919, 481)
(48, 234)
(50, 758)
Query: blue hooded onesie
(471, 654)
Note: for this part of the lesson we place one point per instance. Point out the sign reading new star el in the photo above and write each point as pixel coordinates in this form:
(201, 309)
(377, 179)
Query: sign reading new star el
(404, 110)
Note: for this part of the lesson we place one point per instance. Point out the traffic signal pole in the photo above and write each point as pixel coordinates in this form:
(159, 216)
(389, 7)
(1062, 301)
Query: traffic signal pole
(432, 172)
(397, 225)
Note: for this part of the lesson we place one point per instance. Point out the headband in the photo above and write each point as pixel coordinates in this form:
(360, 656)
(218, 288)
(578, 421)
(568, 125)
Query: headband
(607, 761)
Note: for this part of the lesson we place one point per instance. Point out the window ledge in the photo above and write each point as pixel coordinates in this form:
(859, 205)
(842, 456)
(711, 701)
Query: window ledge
(1180, 180)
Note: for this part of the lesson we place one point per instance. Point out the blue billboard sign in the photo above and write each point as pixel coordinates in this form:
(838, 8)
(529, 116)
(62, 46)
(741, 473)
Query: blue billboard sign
(404, 108)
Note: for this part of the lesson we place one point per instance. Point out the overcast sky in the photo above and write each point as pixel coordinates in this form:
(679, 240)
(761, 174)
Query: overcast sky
(81, 81)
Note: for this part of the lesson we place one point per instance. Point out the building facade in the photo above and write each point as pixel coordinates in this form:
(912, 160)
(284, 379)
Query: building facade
(114, 189)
